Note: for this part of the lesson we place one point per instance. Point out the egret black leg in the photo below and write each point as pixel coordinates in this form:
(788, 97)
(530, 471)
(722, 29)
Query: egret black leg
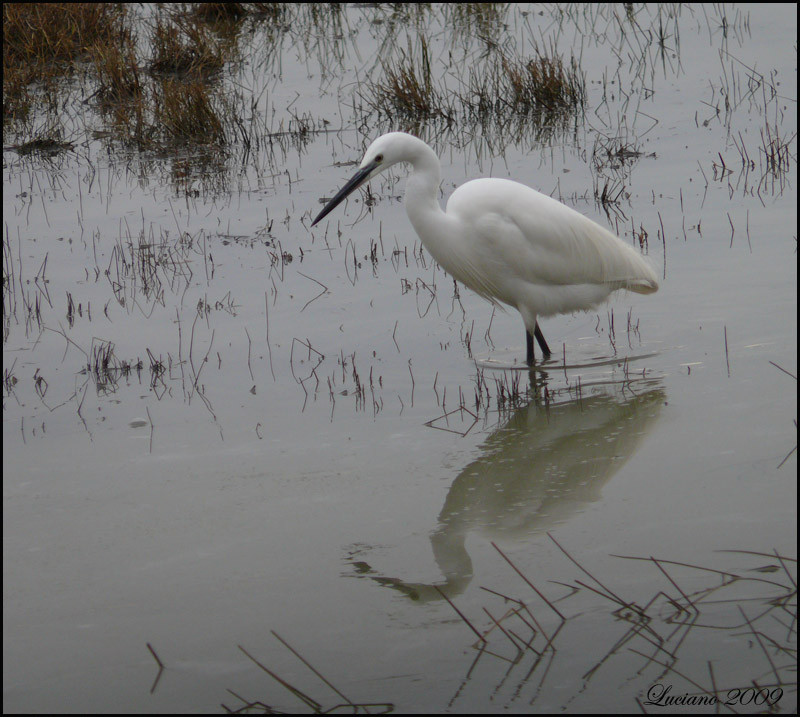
(529, 347)
(537, 332)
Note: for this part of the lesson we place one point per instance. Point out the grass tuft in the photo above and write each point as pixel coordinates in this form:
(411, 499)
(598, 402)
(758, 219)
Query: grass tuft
(541, 94)
(542, 85)
(42, 42)
(184, 47)
(408, 89)
(186, 112)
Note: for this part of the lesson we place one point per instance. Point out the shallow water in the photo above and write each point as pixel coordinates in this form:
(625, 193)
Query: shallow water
(332, 420)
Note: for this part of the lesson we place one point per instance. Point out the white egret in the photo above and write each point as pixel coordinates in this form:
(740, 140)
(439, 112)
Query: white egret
(505, 241)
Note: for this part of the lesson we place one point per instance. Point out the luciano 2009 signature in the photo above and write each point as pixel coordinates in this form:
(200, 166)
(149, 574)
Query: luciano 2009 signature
(660, 696)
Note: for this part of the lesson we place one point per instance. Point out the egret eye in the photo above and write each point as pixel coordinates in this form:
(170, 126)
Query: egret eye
(379, 158)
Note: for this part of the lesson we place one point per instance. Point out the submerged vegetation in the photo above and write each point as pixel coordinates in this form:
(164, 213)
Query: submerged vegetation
(170, 77)
(152, 92)
(537, 96)
(665, 634)
(43, 42)
(165, 85)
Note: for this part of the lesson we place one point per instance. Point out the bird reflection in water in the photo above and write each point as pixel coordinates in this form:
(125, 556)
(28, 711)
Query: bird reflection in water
(540, 468)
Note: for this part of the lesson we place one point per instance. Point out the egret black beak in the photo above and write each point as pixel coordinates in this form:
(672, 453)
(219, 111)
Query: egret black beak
(359, 178)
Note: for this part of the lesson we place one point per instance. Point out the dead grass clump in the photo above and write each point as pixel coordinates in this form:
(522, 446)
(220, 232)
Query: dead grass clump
(184, 47)
(16, 97)
(542, 85)
(103, 366)
(55, 33)
(186, 113)
(42, 41)
(117, 68)
(215, 12)
(502, 91)
(123, 90)
(46, 142)
(408, 93)
(170, 98)
(407, 89)
(507, 95)
(219, 11)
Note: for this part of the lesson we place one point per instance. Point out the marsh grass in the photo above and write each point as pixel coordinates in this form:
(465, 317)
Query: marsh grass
(540, 96)
(407, 89)
(46, 142)
(342, 703)
(118, 69)
(150, 95)
(122, 89)
(187, 113)
(186, 60)
(752, 611)
(542, 85)
(213, 12)
(502, 93)
(141, 269)
(477, 19)
(184, 46)
(158, 80)
(42, 42)
(51, 37)
(16, 96)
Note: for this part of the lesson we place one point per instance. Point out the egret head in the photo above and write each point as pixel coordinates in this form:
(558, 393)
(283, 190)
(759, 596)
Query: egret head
(386, 150)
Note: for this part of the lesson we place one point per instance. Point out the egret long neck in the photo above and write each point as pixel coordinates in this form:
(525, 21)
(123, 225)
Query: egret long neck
(422, 203)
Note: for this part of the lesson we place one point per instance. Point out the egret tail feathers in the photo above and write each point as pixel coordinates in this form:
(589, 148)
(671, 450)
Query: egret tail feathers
(643, 286)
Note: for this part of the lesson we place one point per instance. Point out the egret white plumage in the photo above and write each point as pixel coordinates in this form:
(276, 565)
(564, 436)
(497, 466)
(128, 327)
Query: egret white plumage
(506, 241)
